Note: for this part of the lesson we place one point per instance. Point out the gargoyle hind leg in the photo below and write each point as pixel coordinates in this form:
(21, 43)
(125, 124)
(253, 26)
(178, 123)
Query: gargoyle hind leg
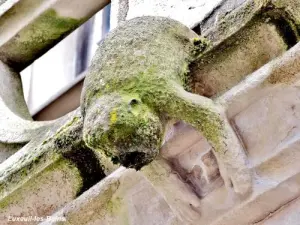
(209, 119)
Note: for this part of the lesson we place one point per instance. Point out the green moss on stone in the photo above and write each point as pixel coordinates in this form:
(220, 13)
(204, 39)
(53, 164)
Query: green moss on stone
(200, 46)
(290, 6)
(114, 205)
(130, 89)
(66, 144)
(119, 125)
(15, 195)
(36, 38)
(132, 60)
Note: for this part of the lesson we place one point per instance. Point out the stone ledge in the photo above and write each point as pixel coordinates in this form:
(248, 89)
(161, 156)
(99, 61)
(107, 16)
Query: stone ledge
(59, 164)
(29, 28)
(124, 197)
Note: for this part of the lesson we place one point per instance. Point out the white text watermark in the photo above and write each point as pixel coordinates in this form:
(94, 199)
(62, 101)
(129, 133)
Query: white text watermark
(36, 218)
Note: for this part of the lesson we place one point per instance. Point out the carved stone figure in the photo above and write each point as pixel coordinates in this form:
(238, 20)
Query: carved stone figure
(149, 73)
(138, 81)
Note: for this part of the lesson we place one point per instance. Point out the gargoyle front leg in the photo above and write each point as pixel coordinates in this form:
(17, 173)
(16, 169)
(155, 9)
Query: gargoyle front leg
(208, 118)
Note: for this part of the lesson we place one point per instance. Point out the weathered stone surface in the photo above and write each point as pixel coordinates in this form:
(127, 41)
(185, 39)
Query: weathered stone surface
(30, 28)
(192, 158)
(230, 62)
(187, 12)
(276, 183)
(11, 92)
(223, 9)
(292, 7)
(287, 215)
(48, 172)
(264, 111)
(6, 5)
(271, 196)
(42, 194)
(280, 124)
(244, 39)
(232, 16)
(185, 187)
(275, 75)
(124, 197)
(16, 125)
(6, 150)
(178, 194)
(137, 82)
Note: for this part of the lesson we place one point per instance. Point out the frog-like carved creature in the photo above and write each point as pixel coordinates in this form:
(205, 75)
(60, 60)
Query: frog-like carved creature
(137, 82)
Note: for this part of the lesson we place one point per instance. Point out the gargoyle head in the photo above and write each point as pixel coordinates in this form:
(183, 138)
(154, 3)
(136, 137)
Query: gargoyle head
(124, 128)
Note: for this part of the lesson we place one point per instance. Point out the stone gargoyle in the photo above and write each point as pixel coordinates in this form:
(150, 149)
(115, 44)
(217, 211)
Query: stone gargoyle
(137, 84)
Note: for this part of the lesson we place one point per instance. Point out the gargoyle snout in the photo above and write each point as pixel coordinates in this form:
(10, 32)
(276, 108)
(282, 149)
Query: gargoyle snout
(126, 130)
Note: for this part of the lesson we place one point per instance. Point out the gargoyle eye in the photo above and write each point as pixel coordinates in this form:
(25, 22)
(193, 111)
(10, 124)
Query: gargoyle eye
(133, 102)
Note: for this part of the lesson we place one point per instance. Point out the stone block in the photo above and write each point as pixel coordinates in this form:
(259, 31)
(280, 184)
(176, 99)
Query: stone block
(124, 197)
(48, 172)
